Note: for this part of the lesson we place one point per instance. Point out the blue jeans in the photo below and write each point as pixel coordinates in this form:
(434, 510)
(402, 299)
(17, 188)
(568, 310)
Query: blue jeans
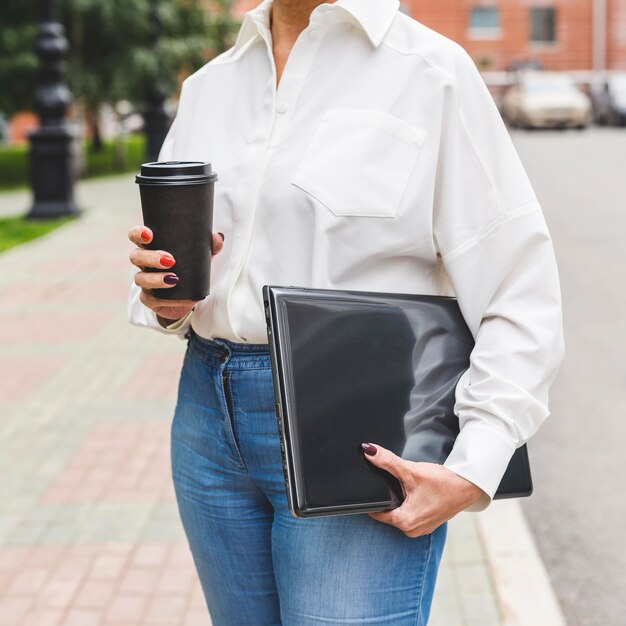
(258, 565)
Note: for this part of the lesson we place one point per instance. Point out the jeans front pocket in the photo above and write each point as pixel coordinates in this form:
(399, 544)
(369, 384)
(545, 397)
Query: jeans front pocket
(229, 404)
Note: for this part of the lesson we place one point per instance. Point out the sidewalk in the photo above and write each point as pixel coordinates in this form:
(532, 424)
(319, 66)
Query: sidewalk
(89, 530)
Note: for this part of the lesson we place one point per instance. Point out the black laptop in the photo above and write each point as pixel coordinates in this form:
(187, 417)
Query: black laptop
(352, 367)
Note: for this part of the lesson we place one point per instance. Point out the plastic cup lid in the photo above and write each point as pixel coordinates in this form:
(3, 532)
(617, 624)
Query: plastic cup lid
(176, 173)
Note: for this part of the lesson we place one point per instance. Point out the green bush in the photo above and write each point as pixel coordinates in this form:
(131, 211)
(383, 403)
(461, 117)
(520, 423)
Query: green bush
(125, 156)
(114, 158)
(13, 166)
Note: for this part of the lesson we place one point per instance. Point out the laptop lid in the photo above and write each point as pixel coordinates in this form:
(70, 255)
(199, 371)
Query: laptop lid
(352, 367)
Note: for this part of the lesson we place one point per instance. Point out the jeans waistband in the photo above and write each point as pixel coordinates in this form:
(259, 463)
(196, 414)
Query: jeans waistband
(225, 353)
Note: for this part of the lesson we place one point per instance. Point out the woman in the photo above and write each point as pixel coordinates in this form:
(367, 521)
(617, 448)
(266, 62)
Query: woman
(356, 149)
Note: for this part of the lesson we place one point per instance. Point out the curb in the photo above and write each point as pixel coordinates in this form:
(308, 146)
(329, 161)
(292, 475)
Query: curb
(521, 582)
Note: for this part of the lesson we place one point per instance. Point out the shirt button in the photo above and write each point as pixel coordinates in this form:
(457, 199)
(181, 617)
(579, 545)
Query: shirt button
(281, 108)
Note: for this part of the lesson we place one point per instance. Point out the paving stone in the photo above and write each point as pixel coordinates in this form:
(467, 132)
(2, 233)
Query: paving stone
(43, 617)
(126, 608)
(95, 594)
(165, 609)
(156, 375)
(197, 618)
(21, 376)
(46, 327)
(26, 535)
(446, 611)
(150, 554)
(81, 617)
(14, 608)
(175, 580)
(163, 531)
(109, 567)
(58, 592)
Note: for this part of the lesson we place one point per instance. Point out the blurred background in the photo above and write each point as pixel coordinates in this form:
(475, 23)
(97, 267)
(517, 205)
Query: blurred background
(89, 530)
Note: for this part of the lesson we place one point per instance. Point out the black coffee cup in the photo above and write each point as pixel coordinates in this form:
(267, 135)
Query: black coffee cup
(177, 205)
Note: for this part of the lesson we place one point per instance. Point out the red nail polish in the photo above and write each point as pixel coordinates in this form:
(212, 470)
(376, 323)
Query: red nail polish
(369, 449)
(167, 261)
(145, 235)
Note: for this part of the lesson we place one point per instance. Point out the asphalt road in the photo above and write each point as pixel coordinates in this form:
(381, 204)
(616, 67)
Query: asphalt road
(578, 510)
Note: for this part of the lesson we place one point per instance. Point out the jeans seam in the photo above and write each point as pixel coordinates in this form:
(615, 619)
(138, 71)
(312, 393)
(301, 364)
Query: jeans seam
(423, 580)
(229, 404)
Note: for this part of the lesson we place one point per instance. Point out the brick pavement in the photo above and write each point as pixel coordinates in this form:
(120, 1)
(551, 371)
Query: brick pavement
(89, 530)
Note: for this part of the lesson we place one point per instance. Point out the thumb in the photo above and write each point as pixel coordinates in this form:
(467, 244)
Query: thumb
(383, 458)
(218, 243)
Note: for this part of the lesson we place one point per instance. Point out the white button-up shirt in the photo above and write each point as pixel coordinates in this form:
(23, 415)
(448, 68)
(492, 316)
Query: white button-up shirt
(380, 163)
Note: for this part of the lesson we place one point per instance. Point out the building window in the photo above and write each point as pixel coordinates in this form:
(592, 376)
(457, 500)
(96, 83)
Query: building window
(543, 25)
(484, 23)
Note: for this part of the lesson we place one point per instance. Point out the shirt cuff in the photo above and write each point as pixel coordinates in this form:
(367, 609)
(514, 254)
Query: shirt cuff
(481, 455)
(179, 327)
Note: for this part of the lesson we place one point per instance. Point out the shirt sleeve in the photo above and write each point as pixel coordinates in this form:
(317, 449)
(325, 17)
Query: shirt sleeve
(138, 313)
(495, 248)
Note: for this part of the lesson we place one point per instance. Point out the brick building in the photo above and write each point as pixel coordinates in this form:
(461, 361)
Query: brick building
(559, 34)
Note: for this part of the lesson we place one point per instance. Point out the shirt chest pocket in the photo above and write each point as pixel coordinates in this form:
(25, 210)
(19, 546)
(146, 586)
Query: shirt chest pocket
(358, 163)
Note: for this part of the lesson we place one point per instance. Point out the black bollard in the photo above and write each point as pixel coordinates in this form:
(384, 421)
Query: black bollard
(53, 149)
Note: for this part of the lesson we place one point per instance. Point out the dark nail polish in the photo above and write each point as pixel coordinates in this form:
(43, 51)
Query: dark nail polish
(369, 449)
(170, 279)
(221, 235)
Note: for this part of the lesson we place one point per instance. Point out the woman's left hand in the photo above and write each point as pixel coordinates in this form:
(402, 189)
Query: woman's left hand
(433, 494)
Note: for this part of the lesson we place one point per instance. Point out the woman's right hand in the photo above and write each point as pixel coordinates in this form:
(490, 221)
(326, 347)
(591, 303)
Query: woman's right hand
(167, 311)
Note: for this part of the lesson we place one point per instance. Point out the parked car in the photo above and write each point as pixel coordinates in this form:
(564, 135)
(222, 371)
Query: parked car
(546, 100)
(521, 64)
(609, 100)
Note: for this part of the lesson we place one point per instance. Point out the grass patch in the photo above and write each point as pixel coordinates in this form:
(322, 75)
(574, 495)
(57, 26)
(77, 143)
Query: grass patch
(18, 230)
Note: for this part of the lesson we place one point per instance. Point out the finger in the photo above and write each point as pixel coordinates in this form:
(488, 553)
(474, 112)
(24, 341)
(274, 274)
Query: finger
(217, 243)
(153, 302)
(387, 517)
(140, 235)
(385, 459)
(418, 532)
(403, 517)
(152, 258)
(155, 280)
(397, 518)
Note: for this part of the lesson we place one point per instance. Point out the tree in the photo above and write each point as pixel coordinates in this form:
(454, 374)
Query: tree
(111, 55)
(18, 62)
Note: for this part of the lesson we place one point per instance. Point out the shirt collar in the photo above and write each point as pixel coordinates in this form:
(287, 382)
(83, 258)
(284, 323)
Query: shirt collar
(374, 17)
(253, 21)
